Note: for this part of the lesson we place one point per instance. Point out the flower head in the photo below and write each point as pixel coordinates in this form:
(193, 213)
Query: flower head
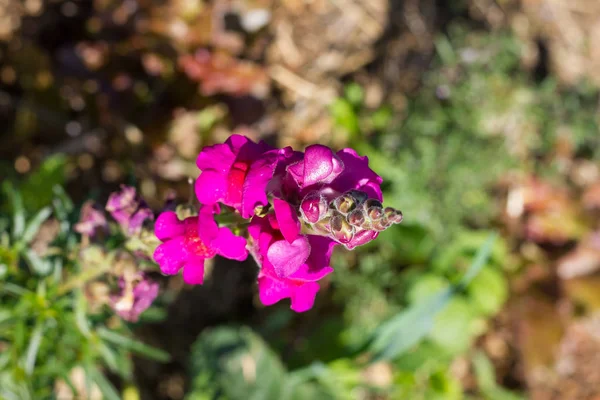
(288, 269)
(90, 220)
(135, 296)
(128, 209)
(186, 244)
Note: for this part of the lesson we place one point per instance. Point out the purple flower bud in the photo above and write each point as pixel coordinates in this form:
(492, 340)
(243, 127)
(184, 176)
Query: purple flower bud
(313, 208)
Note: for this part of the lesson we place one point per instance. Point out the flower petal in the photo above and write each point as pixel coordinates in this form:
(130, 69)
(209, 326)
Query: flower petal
(287, 219)
(303, 296)
(318, 263)
(211, 187)
(167, 226)
(171, 255)
(193, 271)
(287, 258)
(218, 158)
(320, 165)
(357, 175)
(229, 245)
(271, 290)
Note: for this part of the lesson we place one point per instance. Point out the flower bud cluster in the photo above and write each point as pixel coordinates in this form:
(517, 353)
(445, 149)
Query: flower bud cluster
(350, 219)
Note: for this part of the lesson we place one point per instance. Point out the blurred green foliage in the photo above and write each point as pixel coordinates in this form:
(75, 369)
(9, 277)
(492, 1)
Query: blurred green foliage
(46, 328)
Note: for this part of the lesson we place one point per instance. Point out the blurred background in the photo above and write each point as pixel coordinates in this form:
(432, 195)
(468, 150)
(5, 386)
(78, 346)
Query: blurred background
(481, 116)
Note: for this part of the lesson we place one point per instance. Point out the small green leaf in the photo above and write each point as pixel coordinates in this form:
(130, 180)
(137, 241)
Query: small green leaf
(33, 347)
(34, 225)
(106, 388)
(38, 265)
(133, 345)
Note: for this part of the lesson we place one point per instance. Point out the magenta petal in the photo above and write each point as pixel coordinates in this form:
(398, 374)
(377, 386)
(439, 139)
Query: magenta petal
(303, 297)
(193, 271)
(357, 175)
(218, 157)
(287, 258)
(211, 187)
(318, 263)
(208, 229)
(229, 245)
(254, 191)
(271, 290)
(320, 165)
(168, 226)
(171, 255)
(287, 219)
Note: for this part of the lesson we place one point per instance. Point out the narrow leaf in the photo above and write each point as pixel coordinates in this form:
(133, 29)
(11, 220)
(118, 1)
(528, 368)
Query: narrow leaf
(134, 345)
(106, 388)
(34, 346)
(34, 225)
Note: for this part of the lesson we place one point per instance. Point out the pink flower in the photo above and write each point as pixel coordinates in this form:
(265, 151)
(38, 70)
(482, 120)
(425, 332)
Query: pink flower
(237, 173)
(288, 269)
(134, 298)
(128, 209)
(90, 220)
(189, 242)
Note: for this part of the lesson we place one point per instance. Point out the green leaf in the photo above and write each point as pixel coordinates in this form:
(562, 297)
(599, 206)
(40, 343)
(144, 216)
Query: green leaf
(452, 329)
(106, 388)
(18, 211)
(33, 347)
(34, 225)
(488, 291)
(133, 345)
(410, 326)
(38, 265)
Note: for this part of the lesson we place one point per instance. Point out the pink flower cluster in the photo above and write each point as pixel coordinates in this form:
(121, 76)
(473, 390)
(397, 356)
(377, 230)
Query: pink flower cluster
(297, 206)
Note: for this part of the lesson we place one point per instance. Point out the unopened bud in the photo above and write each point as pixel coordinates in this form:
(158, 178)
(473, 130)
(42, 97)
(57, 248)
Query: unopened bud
(358, 196)
(370, 203)
(356, 218)
(313, 208)
(392, 215)
(340, 228)
(375, 213)
(345, 203)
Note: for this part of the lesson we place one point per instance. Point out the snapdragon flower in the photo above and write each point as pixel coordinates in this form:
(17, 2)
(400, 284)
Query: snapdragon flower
(295, 207)
(186, 244)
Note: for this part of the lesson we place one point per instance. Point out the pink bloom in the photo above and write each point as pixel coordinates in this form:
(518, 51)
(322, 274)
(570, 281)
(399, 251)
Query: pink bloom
(90, 220)
(132, 301)
(289, 269)
(237, 173)
(189, 242)
(128, 209)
